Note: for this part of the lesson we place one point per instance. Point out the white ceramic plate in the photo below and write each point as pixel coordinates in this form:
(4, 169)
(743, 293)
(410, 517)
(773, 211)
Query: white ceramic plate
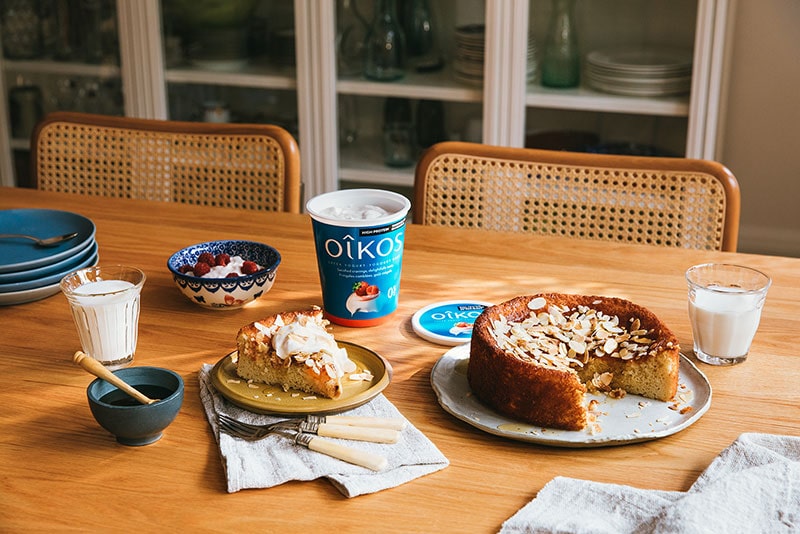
(648, 59)
(621, 421)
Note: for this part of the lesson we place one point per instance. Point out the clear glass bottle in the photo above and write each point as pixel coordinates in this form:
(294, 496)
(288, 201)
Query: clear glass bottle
(420, 33)
(385, 44)
(398, 133)
(25, 108)
(561, 64)
(430, 123)
(351, 34)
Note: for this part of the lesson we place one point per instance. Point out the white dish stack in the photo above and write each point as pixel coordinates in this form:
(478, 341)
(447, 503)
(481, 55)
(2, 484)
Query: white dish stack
(469, 55)
(646, 71)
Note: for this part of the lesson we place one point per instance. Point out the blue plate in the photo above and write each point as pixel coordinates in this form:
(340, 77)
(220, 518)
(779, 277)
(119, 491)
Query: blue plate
(84, 259)
(37, 293)
(24, 254)
(46, 270)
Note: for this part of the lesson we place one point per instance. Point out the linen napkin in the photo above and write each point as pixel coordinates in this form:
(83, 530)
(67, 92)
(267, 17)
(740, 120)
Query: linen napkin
(276, 459)
(752, 486)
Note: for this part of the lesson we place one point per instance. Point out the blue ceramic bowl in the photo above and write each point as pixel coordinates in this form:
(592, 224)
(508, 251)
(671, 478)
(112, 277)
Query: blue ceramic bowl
(131, 422)
(226, 293)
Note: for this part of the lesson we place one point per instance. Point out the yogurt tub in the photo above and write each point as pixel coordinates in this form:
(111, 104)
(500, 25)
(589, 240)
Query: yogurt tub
(359, 236)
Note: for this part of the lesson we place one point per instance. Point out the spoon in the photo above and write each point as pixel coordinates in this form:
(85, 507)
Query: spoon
(97, 369)
(46, 242)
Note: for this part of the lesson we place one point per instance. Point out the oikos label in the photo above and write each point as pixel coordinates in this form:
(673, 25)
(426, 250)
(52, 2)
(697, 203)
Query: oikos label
(364, 250)
(448, 323)
(359, 271)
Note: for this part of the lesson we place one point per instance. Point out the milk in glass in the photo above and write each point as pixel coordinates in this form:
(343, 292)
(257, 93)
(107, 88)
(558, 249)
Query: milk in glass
(105, 307)
(724, 321)
(725, 303)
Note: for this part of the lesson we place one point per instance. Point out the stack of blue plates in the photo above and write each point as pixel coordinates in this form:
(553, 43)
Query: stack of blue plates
(30, 272)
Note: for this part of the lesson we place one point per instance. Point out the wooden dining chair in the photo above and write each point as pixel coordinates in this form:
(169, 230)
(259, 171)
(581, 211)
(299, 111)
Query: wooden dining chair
(248, 166)
(669, 202)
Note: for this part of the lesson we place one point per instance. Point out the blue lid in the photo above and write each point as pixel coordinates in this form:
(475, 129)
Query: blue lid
(447, 323)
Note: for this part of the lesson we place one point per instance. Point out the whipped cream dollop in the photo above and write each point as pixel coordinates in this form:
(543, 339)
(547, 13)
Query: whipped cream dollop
(233, 266)
(355, 213)
(308, 336)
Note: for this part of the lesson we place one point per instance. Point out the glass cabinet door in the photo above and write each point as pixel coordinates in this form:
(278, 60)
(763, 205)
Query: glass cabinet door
(635, 78)
(231, 61)
(384, 125)
(56, 55)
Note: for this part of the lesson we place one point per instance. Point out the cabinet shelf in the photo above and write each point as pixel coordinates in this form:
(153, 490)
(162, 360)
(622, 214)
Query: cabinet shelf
(62, 68)
(259, 76)
(363, 162)
(434, 86)
(585, 99)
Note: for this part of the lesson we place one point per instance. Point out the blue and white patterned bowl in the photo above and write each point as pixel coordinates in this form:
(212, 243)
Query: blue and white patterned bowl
(226, 293)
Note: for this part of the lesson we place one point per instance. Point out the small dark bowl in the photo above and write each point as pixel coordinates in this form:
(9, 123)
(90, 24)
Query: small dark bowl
(131, 422)
(226, 293)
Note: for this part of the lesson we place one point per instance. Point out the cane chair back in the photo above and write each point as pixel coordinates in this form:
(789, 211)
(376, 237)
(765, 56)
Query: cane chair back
(248, 166)
(669, 202)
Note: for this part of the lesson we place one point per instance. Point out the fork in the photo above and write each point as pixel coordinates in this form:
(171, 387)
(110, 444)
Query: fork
(315, 425)
(42, 242)
(367, 459)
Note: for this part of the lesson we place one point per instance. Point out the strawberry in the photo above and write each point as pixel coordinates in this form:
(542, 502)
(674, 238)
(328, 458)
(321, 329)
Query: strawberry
(207, 258)
(373, 290)
(249, 267)
(232, 275)
(360, 288)
(185, 268)
(222, 259)
(201, 269)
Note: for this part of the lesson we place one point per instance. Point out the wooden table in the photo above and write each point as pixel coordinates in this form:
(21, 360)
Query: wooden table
(60, 470)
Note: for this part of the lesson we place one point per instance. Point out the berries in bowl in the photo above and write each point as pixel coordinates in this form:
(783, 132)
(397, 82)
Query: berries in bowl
(226, 274)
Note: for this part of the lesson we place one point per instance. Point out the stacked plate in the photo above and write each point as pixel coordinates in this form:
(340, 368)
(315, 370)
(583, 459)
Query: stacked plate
(469, 54)
(644, 71)
(30, 272)
(468, 60)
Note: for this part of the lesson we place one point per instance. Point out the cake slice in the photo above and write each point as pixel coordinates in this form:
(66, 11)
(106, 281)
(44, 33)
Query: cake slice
(293, 350)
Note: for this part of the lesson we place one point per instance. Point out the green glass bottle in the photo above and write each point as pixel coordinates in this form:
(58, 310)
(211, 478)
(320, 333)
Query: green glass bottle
(561, 64)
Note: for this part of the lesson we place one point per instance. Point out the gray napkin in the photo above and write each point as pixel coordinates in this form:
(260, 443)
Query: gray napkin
(752, 486)
(276, 459)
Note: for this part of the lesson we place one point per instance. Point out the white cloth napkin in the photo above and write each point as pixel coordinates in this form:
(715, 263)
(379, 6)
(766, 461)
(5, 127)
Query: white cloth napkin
(752, 486)
(276, 459)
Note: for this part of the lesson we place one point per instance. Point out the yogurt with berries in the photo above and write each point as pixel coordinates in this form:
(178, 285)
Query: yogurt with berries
(220, 266)
(236, 266)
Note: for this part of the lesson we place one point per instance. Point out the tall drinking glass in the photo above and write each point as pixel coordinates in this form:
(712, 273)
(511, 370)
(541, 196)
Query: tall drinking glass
(105, 306)
(725, 303)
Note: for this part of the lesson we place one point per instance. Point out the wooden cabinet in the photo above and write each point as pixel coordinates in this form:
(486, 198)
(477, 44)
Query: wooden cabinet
(324, 108)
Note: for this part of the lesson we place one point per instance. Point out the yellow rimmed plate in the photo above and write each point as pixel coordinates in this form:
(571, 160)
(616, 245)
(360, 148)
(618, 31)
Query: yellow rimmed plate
(273, 400)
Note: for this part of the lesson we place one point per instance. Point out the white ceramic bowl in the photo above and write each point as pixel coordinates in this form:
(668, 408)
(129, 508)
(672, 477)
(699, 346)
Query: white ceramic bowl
(226, 293)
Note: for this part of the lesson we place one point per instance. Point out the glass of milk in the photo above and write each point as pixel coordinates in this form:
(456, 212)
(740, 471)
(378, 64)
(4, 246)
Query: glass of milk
(105, 306)
(725, 303)
(359, 236)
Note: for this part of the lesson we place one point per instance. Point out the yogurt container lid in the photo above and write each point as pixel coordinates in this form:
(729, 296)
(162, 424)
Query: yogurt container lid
(449, 322)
